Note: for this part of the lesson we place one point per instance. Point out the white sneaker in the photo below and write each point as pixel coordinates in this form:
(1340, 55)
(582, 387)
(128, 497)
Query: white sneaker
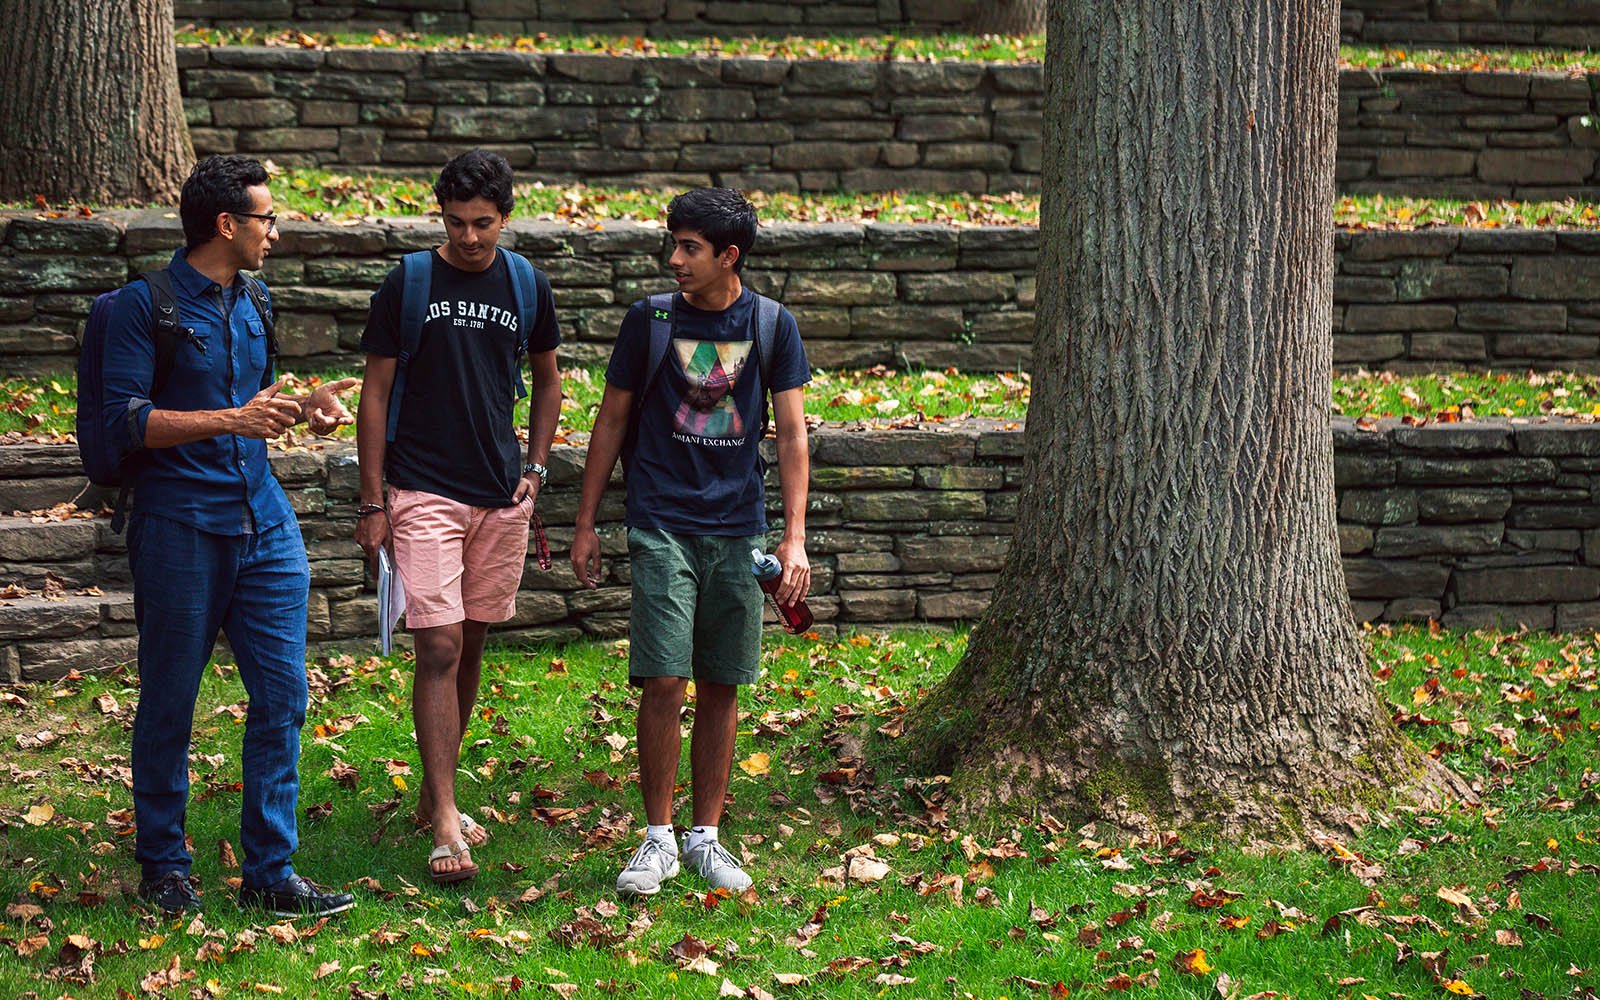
(717, 866)
(652, 864)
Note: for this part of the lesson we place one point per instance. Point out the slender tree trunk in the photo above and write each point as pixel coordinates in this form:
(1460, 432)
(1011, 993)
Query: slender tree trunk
(1173, 640)
(1005, 17)
(89, 102)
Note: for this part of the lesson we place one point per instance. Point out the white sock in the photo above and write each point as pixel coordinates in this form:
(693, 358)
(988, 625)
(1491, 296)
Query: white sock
(662, 833)
(699, 835)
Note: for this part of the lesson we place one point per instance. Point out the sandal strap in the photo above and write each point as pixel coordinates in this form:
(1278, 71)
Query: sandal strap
(454, 849)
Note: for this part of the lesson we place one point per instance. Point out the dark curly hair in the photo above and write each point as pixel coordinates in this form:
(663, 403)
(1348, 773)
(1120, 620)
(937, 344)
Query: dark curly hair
(721, 215)
(477, 173)
(218, 184)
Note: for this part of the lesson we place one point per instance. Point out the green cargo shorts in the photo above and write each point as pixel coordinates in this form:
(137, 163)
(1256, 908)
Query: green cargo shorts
(696, 607)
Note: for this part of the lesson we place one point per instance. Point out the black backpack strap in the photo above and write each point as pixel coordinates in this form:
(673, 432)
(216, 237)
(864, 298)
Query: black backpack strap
(258, 298)
(165, 329)
(766, 341)
(166, 332)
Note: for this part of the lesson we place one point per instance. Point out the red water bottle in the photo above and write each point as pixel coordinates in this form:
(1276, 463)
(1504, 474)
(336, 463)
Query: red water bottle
(796, 617)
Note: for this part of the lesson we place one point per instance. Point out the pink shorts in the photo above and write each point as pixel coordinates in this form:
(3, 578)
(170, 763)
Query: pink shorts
(457, 561)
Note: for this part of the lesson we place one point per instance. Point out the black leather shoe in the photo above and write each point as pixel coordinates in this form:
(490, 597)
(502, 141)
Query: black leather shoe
(172, 892)
(295, 897)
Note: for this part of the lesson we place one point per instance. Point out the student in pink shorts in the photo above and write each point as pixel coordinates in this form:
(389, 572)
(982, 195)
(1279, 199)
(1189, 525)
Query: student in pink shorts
(444, 340)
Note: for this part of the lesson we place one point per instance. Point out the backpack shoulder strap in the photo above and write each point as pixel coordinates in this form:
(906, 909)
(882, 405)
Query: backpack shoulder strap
(525, 290)
(165, 330)
(417, 275)
(766, 338)
(659, 307)
(258, 298)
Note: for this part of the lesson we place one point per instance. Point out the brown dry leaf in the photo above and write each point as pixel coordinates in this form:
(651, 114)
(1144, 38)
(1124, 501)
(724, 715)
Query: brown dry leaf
(325, 969)
(564, 990)
(791, 978)
(866, 870)
(703, 965)
(225, 856)
(284, 933)
(39, 814)
(1507, 938)
(894, 979)
(689, 948)
(29, 946)
(107, 704)
(343, 774)
(162, 980)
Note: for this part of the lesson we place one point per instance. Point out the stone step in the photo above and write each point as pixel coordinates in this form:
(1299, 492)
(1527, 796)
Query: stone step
(42, 638)
(79, 552)
(39, 476)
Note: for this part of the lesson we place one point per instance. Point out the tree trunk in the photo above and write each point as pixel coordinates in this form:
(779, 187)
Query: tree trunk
(89, 102)
(1172, 640)
(1005, 17)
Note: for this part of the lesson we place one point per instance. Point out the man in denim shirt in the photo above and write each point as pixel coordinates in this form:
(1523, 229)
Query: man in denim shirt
(213, 543)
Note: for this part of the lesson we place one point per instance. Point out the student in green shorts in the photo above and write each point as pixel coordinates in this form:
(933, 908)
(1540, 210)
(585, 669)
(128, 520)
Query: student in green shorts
(685, 408)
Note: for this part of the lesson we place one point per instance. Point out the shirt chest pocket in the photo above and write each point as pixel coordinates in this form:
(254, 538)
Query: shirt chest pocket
(256, 350)
(197, 349)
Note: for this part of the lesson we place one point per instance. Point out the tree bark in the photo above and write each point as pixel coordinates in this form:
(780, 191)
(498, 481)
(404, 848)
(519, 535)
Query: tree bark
(89, 103)
(1005, 17)
(1172, 640)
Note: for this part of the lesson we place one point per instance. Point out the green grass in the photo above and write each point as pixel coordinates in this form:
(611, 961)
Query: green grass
(1477, 60)
(551, 760)
(946, 47)
(46, 407)
(304, 193)
(941, 47)
(1463, 395)
(884, 397)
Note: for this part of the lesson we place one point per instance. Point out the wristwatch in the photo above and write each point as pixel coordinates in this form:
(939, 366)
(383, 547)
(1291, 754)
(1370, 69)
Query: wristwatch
(538, 470)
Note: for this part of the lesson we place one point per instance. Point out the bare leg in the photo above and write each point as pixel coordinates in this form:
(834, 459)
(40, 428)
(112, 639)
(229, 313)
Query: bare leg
(438, 720)
(660, 744)
(468, 671)
(716, 721)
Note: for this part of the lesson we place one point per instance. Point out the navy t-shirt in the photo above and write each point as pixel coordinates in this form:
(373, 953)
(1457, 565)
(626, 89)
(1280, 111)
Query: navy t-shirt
(456, 437)
(694, 467)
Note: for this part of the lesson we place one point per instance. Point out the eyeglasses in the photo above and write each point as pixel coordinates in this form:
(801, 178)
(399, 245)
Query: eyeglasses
(269, 218)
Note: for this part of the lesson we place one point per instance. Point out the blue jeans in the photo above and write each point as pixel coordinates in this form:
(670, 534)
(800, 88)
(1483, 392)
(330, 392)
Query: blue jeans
(187, 584)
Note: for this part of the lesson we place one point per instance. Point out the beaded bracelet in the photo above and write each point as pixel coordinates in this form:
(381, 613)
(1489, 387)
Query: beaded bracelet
(363, 509)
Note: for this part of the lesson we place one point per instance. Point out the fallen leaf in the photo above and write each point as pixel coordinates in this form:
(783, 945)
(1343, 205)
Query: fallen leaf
(756, 764)
(1192, 962)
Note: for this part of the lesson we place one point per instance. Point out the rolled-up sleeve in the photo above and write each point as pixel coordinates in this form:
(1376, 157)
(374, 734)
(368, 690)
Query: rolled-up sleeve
(130, 363)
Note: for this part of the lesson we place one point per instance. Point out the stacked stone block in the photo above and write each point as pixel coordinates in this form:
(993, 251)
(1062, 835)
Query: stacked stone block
(1491, 523)
(1456, 299)
(864, 293)
(625, 17)
(1560, 24)
(1495, 523)
(816, 125)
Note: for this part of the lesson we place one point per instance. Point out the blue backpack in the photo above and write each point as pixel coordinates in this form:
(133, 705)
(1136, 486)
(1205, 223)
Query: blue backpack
(105, 464)
(417, 273)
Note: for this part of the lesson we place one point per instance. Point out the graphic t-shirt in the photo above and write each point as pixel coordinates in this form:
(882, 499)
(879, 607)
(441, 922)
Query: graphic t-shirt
(456, 438)
(694, 467)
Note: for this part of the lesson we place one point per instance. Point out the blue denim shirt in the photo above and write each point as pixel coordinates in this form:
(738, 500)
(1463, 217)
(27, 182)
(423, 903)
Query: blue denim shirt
(223, 484)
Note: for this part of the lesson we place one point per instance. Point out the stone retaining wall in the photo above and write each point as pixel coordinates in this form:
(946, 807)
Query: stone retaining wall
(1481, 524)
(821, 125)
(625, 17)
(1561, 24)
(864, 294)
